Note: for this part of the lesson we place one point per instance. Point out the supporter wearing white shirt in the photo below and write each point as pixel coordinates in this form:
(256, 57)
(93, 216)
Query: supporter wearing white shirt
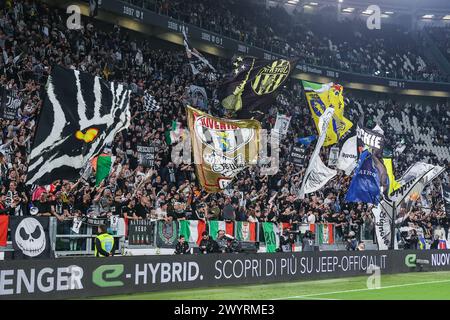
(311, 218)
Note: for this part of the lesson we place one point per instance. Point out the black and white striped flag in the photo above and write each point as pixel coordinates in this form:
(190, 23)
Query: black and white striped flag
(80, 116)
(150, 104)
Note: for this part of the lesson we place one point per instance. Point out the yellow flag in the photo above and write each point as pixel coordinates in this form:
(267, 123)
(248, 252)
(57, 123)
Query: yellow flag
(322, 96)
(221, 147)
(393, 184)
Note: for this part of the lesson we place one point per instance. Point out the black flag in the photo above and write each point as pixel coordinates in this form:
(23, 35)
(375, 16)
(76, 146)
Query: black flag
(10, 103)
(81, 114)
(30, 237)
(251, 87)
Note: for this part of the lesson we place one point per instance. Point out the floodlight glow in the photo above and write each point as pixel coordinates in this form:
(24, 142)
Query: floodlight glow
(348, 10)
(428, 16)
(447, 17)
(368, 12)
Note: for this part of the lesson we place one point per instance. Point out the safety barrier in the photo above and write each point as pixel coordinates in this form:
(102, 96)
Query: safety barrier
(64, 241)
(89, 276)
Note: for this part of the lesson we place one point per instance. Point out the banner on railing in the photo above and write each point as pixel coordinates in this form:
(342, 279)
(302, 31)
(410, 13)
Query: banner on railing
(30, 237)
(166, 234)
(323, 232)
(4, 223)
(140, 232)
(86, 277)
(246, 231)
(94, 221)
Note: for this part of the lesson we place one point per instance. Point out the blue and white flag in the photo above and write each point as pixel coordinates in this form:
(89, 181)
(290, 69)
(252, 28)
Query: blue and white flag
(365, 185)
(306, 140)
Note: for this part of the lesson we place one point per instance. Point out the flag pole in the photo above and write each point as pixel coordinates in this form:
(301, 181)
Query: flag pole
(394, 210)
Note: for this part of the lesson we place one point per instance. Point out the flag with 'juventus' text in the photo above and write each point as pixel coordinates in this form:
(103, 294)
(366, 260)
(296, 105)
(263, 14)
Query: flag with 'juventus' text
(80, 116)
(222, 147)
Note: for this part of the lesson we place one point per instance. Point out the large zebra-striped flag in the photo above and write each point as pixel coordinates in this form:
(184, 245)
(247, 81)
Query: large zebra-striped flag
(81, 114)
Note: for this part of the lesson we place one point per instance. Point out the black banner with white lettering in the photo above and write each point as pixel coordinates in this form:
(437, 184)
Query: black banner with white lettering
(298, 155)
(95, 222)
(9, 104)
(146, 155)
(85, 277)
(140, 232)
(371, 138)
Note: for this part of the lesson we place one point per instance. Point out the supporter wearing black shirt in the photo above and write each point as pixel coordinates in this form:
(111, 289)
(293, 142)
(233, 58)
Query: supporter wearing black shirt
(44, 206)
(128, 211)
(207, 245)
(286, 216)
(83, 203)
(140, 210)
(229, 211)
(182, 246)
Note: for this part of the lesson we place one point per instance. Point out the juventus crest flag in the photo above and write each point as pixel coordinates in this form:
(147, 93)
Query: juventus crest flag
(222, 147)
(250, 89)
(81, 114)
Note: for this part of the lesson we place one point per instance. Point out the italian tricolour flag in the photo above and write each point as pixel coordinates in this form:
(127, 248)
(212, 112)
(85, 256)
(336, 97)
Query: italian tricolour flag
(215, 226)
(325, 233)
(246, 231)
(192, 230)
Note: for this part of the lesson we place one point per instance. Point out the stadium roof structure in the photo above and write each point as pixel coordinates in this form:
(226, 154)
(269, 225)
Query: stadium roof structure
(421, 9)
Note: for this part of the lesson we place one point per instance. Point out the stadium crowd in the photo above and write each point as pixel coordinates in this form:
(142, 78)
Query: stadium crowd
(392, 51)
(170, 191)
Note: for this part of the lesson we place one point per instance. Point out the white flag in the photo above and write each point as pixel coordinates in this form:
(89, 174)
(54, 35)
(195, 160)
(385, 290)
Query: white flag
(383, 225)
(282, 124)
(317, 177)
(414, 171)
(348, 158)
(317, 174)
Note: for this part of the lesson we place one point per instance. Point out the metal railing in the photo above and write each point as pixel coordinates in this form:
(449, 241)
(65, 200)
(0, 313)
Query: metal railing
(65, 242)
